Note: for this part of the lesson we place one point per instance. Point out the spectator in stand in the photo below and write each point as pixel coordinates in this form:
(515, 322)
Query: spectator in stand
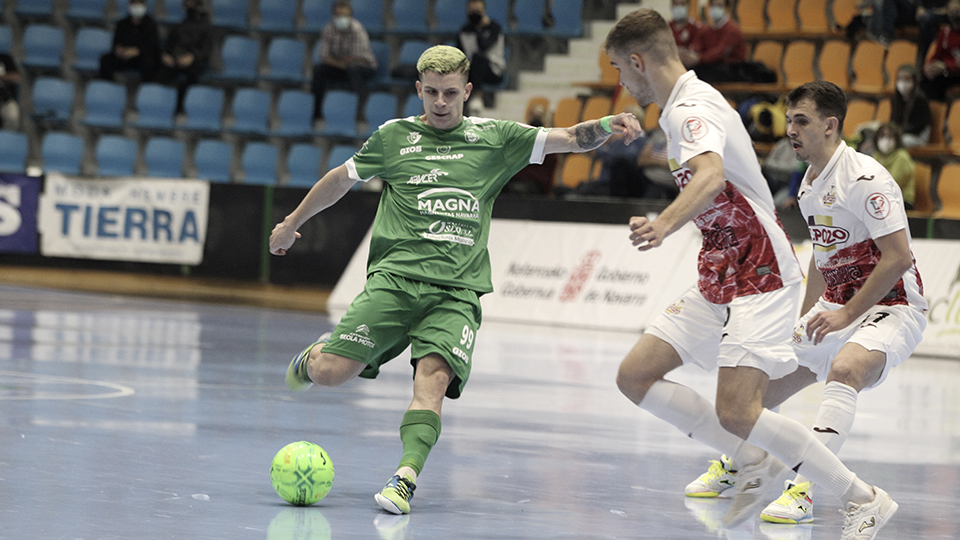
(894, 157)
(909, 109)
(481, 40)
(888, 15)
(9, 89)
(345, 57)
(941, 71)
(187, 51)
(720, 48)
(685, 31)
(931, 15)
(535, 179)
(136, 45)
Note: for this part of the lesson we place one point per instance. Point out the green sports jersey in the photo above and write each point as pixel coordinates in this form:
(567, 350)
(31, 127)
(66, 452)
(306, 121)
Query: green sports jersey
(439, 186)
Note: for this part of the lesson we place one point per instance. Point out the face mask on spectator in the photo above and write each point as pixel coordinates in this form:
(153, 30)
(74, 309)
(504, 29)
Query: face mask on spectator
(474, 17)
(680, 13)
(904, 87)
(137, 11)
(717, 13)
(342, 23)
(886, 145)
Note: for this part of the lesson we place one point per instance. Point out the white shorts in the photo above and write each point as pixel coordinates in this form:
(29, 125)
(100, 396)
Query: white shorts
(752, 331)
(893, 330)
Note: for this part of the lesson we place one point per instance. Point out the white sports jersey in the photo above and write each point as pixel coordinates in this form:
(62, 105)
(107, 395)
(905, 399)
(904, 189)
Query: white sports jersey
(853, 201)
(745, 249)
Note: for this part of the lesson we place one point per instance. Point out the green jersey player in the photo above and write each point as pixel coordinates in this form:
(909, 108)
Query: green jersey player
(428, 261)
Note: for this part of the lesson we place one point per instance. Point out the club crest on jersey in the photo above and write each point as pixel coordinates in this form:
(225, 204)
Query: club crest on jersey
(471, 136)
(831, 196)
(676, 307)
(413, 137)
(878, 206)
(693, 129)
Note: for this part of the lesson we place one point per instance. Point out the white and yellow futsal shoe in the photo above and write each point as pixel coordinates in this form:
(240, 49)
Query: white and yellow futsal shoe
(718, 478)
(794, 505)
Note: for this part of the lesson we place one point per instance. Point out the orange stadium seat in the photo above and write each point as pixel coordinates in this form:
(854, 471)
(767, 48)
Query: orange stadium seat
(576, 168)
(567, 112)
(749, 14)
(948, 189)
(596, 107)
(883, 110)
(782, 18)
(813, 16)
(858, 112)
(899, 53)
(923, 202)
(798, 63)
(833, 62)
(770, 54)
(844, 11)
(651, 118)
(608, 73)
(938, 119)
(623, 100)
(953, 126)
(867, 67)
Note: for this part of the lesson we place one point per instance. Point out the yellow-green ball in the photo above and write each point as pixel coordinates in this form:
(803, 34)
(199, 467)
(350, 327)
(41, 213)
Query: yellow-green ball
(302, 473)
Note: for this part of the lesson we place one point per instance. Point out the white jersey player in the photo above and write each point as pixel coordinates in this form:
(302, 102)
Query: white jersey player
(740, 315)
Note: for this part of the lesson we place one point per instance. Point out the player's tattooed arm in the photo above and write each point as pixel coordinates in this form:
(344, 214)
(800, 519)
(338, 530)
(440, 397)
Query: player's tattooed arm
(590, 135)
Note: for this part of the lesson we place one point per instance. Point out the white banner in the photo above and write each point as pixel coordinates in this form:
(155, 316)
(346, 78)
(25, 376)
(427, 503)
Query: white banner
(939, 265)
(129, 219)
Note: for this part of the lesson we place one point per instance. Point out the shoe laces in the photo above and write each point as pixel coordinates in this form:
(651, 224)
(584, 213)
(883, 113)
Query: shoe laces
(716, 470)
(403, 487)
(794, 493)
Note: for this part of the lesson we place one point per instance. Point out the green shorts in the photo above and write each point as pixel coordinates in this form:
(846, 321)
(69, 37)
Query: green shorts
(393, 312)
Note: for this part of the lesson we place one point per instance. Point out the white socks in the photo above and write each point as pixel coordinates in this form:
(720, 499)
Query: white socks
(835, 418)
(697, 418)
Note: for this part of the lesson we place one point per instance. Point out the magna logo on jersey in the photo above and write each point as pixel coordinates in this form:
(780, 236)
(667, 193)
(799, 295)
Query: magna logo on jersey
(693, 129)
(450, 202)
(878, 206)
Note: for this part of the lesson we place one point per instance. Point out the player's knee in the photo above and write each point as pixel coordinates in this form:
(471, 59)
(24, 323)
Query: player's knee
(736, 419)
(331, 370)
(632, 383)
(854, 376)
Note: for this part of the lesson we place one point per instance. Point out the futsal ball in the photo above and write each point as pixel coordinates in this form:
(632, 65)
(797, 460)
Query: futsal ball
(302, 473)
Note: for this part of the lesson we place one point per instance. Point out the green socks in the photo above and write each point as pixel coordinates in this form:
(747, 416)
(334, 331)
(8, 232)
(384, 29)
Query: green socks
(419, 431)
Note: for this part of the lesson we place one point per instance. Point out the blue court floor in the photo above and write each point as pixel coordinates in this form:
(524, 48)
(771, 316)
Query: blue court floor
(125, 418)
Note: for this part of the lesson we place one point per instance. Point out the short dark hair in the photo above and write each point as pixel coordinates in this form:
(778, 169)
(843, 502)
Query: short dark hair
(828, 97)
(342, 4)
(644, 31)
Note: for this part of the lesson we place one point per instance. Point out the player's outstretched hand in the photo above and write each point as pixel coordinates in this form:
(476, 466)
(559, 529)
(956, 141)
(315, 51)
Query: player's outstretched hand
(825, 322)
(282, 238)
(626, 124)
(645, 234)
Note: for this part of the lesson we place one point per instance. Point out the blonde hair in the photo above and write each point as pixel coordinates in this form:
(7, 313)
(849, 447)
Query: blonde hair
(443, 59)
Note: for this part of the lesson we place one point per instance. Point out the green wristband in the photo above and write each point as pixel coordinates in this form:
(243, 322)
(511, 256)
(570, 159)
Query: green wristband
(605, 123)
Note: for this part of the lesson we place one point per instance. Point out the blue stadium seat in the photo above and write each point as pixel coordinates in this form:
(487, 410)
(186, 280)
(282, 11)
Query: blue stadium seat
(231, 14)
(370, 14)
(251, 110)
(409, 17)
(240, 55)
(156, 105)
(203, 106)
(52, 100)
(88, 11)
(381, 51)
(259, 163)
(285, 58)
(173, 12)
(529, 15)
(498, 10)
(116, 155)
(316, 15)
(450, 15)
(164, 157)
(105, 103)
(303, 164)
(6, 38)
(294, 111)
(340, 113)
(410, 53)
(339, 155)
(34, 9)
(42, 45)
(62, 152)
(15, 146)
(413, 106)
(91, 43)
(277, 16)
(380, 107)
(213, 159)
(567, 18)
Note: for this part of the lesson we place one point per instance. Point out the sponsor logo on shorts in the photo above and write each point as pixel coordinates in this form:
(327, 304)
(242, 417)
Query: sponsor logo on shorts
(361, 336)
(461, 355)
(798, 333)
